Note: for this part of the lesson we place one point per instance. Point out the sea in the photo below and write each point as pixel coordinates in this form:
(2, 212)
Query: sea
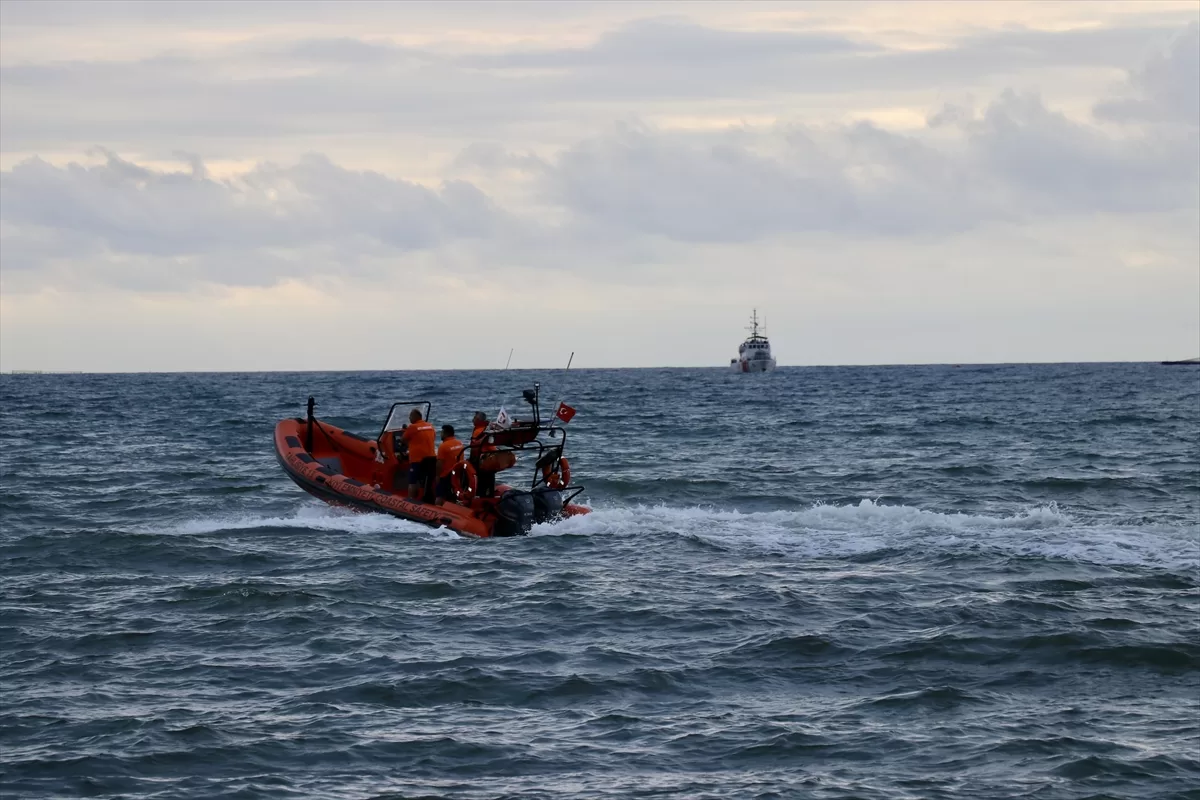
(822, 582)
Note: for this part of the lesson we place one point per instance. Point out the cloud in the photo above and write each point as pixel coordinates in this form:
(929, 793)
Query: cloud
(658, 43)
(1056, 165)
(119, 211)
(604, 203)
(1166, 89)
(268, 87)
(594, 165)
(1015, 160)
(348, 50)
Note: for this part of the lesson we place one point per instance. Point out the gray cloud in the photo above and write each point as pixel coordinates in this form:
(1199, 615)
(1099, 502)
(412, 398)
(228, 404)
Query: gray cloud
(673, 42)
(1015, 161)
(654, 183)
(613, 194)
(348, 50)
(1056, 164)
(1167, 88)
(203, 13)
(668, 44)
(118, 208)
(341, 86)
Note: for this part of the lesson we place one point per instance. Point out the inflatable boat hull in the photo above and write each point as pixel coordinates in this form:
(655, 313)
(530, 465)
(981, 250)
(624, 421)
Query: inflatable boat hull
(342, 469)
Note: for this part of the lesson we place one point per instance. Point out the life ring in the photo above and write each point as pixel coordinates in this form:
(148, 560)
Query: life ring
(462, 493)
(557, 478)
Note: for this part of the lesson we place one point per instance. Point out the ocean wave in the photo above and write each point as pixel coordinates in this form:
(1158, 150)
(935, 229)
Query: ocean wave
(178, 619)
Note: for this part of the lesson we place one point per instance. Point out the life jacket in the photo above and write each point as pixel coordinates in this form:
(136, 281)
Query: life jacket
(422, 441)
(479, 443)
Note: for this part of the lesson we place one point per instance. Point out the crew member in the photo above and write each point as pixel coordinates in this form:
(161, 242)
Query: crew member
(422, 457)
(449, 454)
(485, 479)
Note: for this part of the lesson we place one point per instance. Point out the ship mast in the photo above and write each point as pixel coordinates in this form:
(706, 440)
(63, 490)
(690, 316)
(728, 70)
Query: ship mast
(754, 325)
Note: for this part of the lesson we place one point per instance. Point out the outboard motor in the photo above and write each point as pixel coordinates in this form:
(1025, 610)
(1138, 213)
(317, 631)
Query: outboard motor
(515, 512)
(547, 505)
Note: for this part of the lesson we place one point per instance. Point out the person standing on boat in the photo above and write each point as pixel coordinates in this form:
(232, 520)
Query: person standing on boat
(422, 457)
(449, 455)
(479, 445)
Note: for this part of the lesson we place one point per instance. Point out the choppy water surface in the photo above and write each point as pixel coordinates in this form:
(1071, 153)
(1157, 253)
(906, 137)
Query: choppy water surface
(829, 583)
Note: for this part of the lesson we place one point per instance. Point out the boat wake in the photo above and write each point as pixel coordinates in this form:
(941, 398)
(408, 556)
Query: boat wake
(821, 532)
(850, 531)
(310, 517)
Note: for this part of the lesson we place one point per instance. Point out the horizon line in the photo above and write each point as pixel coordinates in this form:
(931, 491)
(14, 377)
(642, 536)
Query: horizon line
(557, 369)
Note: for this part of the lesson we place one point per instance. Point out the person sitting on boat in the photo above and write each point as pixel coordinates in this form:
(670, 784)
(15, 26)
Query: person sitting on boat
(449, 454)
(485, 479)
(422, 457)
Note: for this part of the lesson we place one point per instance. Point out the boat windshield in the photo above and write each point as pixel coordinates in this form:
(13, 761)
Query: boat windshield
(398, 416)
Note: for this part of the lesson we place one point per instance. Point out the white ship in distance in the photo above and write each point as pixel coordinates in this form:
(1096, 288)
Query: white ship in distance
(754, 354)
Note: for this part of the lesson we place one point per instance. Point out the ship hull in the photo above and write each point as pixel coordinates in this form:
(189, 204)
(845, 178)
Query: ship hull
(756, 365)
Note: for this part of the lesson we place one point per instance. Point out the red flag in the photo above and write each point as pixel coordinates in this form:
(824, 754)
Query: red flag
(564, 413)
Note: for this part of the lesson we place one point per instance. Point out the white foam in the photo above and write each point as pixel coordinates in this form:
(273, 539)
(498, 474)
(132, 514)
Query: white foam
(308, 517)
(822, 531)
(830, 531)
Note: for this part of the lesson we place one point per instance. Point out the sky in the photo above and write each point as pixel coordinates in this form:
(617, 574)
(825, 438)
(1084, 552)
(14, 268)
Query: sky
(278, 185)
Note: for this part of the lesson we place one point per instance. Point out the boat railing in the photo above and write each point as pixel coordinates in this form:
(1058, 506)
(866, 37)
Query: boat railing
(535, 443)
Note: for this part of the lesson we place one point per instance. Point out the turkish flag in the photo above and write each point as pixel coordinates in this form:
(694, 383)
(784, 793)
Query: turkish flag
(564, 413)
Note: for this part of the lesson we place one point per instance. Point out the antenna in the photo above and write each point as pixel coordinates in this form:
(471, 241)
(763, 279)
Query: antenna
(754, 324)
(562, 390)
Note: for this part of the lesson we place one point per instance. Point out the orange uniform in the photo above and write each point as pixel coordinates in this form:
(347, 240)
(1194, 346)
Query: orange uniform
(449, 453)
(421, 441)
(479, 446)
(478, 442)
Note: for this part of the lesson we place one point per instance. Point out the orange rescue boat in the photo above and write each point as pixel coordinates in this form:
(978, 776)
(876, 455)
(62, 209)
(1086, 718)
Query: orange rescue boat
(345, 469)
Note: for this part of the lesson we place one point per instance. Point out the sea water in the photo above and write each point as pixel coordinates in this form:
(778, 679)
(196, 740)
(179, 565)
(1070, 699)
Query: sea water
(899, 582)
